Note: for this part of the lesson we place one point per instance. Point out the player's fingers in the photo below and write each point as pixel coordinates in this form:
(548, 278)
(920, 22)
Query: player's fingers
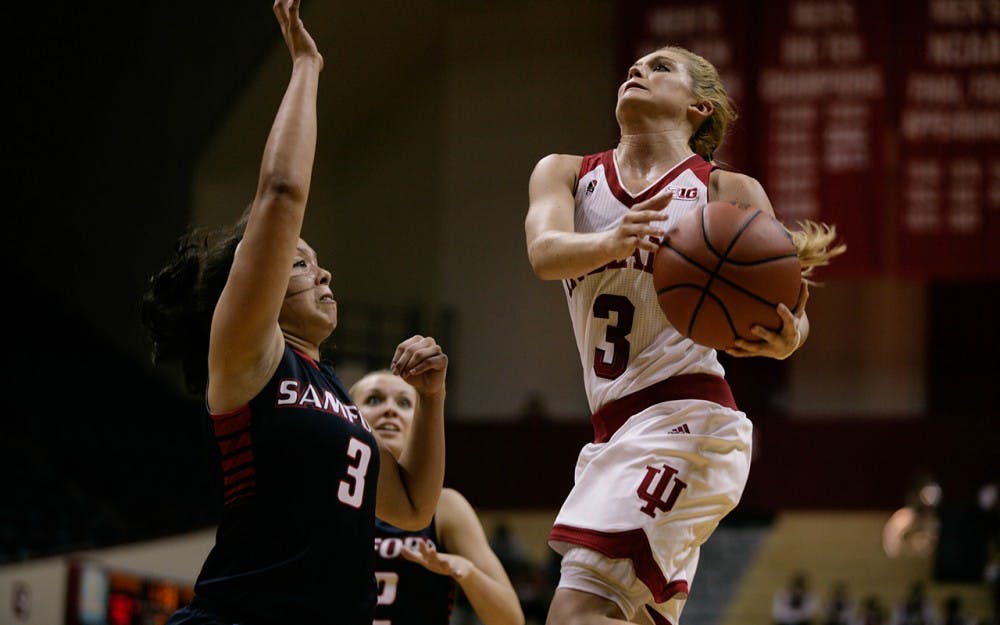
(644, 216)
(787, 317)
(737, 352)
(803, 298)
(401, 359)
(641, 231)
(425, 359)
(769, 336)
(431, 364)
(649, 246)
(655, 203)
(412, 555)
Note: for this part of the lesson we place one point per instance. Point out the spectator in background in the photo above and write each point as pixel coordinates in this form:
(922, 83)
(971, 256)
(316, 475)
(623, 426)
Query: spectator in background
(509, 549)
(526, 576)
(795, 605)
(839, 608)
(871, 612)
(992, 578)
(989, 506)
(916, 608)
(954, 614)
(913, 530)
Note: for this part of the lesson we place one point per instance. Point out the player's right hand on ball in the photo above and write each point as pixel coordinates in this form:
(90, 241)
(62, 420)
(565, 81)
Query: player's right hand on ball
(637, 231)
(421, 362)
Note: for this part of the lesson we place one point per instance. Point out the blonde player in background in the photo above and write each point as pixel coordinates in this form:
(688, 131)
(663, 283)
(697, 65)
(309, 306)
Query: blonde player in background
(417, 570)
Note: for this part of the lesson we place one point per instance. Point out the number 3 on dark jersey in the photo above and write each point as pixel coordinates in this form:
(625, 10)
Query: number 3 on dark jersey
(352, 492)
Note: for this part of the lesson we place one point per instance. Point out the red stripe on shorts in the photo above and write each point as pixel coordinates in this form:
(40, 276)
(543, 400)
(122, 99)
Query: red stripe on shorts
(631, 544)
(614, 414)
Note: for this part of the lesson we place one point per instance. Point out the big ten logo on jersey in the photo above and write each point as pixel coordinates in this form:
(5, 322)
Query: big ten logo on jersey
(684, 193)
(392, 548)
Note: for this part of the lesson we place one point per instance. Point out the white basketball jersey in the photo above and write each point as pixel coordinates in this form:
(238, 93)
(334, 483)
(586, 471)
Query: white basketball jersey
(624, 339)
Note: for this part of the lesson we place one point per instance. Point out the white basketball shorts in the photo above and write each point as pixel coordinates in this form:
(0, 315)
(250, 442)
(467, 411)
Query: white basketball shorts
(649, 495)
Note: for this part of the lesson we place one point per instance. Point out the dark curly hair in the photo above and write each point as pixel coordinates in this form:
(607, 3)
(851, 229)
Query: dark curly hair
(180, 299)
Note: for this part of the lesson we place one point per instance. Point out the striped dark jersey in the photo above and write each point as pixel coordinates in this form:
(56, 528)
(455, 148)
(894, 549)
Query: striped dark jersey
(299, 467)
(409, 594)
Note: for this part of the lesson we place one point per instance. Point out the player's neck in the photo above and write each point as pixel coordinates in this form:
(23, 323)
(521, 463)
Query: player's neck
(298, 343)
(650, 154)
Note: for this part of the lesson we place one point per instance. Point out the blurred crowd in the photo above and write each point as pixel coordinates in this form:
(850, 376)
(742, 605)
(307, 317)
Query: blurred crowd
(798, 604)
(961, 539)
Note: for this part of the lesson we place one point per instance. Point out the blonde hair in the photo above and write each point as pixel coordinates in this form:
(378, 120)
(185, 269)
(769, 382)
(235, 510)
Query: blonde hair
(707, 85)
(354, 387)
(816, 245)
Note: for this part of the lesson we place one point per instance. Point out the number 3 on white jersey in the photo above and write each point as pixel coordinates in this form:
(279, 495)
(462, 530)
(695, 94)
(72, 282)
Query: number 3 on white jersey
(353, 493)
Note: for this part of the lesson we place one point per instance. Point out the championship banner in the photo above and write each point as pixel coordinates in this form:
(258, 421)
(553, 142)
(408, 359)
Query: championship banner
(948, 177)
(822, 88)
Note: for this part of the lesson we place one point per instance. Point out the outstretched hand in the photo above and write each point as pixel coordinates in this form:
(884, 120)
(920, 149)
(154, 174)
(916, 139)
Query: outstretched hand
(636, 230)
(776, 344)
(441, 563)
(300, 43)
(421, 362)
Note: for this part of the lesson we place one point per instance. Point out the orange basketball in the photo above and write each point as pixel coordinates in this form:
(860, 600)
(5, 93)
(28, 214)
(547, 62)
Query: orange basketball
(722, 269)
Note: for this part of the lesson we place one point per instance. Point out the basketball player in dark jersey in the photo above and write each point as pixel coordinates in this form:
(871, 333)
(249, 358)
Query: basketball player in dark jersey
(417, 570)
(245, 310)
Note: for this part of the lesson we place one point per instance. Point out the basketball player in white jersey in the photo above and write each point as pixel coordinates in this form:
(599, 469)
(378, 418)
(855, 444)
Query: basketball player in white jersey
(671, 450)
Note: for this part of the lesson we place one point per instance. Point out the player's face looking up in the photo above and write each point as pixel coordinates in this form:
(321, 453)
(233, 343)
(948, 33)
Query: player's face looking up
(309, 309)
(659, 77)
(387, 403)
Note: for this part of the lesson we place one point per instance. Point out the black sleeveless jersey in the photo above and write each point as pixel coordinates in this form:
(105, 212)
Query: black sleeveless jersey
(299, 468)
(409, 594)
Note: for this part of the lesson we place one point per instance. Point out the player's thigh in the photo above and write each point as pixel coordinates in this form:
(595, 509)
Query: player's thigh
(575, 607)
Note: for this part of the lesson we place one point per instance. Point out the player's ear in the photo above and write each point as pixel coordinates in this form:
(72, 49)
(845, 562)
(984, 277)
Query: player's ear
(701, 110)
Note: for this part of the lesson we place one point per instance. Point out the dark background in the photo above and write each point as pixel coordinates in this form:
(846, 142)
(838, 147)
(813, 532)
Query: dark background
(102, 135)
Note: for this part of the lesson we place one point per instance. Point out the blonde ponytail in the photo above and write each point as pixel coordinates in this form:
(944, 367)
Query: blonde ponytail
(816, 245)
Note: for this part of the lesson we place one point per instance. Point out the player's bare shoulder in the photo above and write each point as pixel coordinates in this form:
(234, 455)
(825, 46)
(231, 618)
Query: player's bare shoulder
(735, 187)
(451, 503)
(455, 515)
(557, 168)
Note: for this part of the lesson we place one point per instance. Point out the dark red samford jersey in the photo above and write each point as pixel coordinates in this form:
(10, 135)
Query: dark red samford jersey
(299, 469)
(409, 594)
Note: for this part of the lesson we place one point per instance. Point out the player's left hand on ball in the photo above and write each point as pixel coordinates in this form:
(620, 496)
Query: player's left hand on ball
(421, 362)
(778, 344)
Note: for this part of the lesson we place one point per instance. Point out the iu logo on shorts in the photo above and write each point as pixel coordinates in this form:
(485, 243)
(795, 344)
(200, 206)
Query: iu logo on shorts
(654, 487)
